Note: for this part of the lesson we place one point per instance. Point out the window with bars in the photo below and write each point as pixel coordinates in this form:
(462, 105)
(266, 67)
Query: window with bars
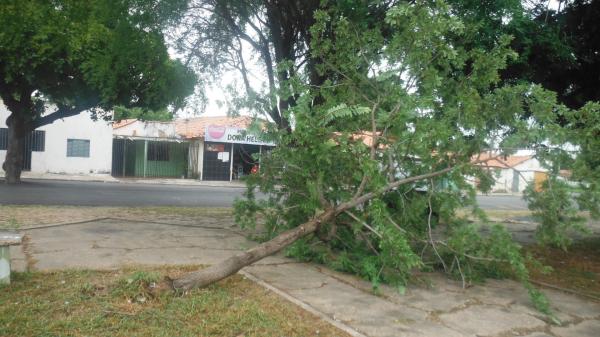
(78, 148)
(35, 141)
(158, 151)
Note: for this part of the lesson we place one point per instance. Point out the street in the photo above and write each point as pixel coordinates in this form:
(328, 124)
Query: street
(55, 192)
(502, 202)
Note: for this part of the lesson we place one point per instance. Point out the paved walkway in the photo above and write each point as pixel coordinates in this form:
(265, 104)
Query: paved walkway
(443, 308)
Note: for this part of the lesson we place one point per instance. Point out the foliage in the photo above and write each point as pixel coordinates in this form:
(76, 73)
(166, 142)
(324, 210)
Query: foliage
(565, 55)
(397, 128)
(120, 113)
(557, 47)
(553, 208)
(62, 57)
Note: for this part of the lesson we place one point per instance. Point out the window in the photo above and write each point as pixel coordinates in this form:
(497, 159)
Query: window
(78, 148)
(158, 151)
(35, 141)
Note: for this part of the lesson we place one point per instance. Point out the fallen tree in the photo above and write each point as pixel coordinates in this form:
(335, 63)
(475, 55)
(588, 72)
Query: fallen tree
(405, 131)
(233, 264)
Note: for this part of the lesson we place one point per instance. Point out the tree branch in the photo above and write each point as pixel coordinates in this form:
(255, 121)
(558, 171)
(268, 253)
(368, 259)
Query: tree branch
(233, 264)
(62, 112)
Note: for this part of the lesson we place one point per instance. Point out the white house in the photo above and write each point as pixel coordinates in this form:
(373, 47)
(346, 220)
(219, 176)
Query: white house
(74, 145)
(514, 173)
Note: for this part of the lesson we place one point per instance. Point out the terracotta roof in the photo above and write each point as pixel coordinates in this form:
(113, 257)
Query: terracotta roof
(365, 136)
(195, 127)
(122, 123)
(502, 161)
(565, 173)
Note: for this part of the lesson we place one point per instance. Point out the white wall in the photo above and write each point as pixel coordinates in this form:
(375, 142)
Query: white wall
(526, 175)
(145, 129)
(196, 149)
(54, 158)
(504, 181)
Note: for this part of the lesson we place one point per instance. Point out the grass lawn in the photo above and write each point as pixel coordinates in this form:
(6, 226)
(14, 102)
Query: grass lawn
(139, 303)
(577, 269)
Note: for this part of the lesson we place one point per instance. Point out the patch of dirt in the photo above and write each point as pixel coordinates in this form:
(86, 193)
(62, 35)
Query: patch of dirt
(577, 269)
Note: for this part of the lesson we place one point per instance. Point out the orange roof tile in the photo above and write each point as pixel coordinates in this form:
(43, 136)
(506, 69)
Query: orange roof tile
(122, 123)
(195, 127)
(502, 161)
(365, 136)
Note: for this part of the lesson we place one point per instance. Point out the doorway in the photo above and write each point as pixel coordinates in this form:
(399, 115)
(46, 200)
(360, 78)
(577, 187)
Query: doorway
(515, 181)
(245, 158)
(216, 164)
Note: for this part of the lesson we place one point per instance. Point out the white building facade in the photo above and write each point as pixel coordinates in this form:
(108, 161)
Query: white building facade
(74, 145)
(513, 174)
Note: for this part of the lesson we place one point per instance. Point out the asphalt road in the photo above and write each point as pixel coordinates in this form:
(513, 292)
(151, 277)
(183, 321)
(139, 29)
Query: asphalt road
(54, 192)
(502, 202)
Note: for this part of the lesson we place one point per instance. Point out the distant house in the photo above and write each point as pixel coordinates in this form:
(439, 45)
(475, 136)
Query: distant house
(206, 148)
(514, 173)
(149, 149)
(74, 145)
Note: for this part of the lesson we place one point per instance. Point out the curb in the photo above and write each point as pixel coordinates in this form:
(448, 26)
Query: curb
(338, 324)
(186, 182)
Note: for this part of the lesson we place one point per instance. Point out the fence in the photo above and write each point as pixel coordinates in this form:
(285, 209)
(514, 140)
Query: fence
(153, 158)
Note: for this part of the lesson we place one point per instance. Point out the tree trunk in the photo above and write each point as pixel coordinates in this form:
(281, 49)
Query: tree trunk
(13, 163)
(214, 273)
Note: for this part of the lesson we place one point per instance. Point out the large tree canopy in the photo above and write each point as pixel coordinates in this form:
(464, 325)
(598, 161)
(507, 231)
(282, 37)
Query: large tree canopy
(556, 48)
(273, 36)
(60, 58)
(372, 175)
(557, 45)
(565, 57)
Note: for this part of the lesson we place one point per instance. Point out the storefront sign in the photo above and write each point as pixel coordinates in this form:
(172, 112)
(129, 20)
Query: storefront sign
(234, 135)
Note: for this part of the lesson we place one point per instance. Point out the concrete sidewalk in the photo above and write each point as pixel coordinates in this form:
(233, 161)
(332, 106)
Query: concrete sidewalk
(107, 178)
(441, 308)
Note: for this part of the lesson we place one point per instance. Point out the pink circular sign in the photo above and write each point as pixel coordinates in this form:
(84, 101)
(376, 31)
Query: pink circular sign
(216, 132)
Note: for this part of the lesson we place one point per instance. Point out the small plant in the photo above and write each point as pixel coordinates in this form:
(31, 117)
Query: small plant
(137, 287)
(10, 224)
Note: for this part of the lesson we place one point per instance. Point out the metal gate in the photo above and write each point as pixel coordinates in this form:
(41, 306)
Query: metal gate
(215, 165)
(149, 158)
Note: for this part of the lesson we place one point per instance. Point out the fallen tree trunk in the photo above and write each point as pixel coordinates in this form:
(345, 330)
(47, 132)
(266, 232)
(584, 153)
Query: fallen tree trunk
(216, 272)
